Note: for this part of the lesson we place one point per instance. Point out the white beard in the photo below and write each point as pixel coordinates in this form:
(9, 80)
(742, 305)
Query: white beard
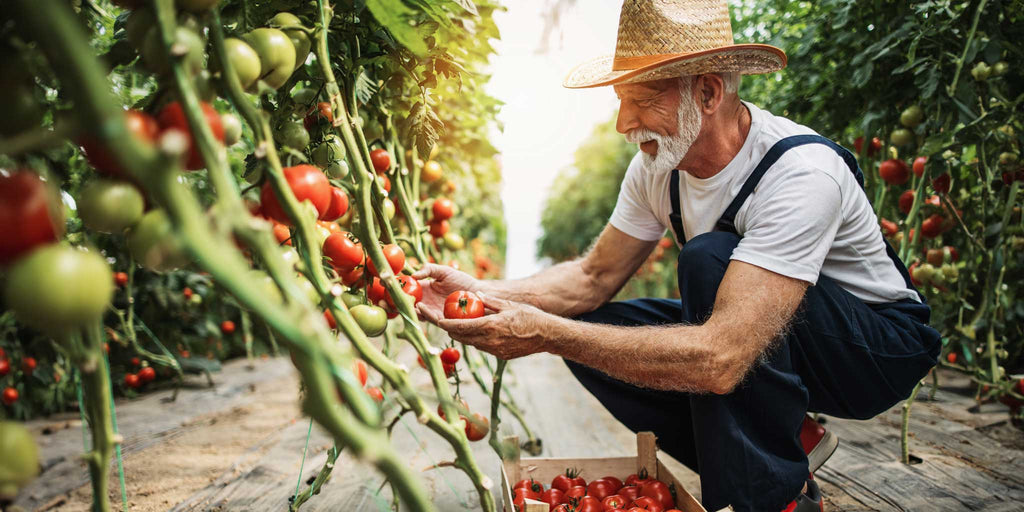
(672, 149)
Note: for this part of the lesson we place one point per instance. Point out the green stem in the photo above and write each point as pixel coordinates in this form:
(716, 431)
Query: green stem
(97, 398)
(951, 89)
(533, 445)
(905, 424)
(321, 478)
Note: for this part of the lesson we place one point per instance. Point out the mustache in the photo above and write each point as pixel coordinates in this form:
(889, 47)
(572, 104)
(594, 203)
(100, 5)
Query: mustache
(642, 135)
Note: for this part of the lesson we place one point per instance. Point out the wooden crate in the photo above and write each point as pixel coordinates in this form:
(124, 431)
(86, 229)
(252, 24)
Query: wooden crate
(545, 469)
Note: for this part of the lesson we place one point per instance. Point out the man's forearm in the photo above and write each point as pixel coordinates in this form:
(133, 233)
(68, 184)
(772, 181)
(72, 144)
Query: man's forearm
(676, 358)
(564, 290)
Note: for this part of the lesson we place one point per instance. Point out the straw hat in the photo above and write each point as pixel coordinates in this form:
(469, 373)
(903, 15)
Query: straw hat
(667, 38)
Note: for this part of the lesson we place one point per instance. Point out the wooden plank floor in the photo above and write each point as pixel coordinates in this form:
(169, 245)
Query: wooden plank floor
(239, 447)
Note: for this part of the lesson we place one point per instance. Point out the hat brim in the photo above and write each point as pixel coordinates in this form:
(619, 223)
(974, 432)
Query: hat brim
(747, 59)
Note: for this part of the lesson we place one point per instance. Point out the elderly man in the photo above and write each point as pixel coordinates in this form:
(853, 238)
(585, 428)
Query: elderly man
(791, 299)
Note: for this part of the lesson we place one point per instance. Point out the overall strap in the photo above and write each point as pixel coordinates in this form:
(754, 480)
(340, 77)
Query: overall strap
(676, 216)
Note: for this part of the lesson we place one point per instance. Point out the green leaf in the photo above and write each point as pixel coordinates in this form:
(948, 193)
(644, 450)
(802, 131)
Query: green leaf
(423, 127)
(395, 16)
(468, 5)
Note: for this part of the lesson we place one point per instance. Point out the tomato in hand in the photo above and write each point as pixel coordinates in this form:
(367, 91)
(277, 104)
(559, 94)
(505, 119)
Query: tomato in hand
(338, 205)
(345, 253)
(172, 117)
(147, 374)
(443, 208)
(411, 287)
(381, 160)
(477, 427)
(451, 355)
(30, 214)
(395, 256)
(307, 184)
(463, 305)
(659, 491)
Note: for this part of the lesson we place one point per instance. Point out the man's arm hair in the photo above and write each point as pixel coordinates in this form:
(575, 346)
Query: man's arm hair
(581, 285)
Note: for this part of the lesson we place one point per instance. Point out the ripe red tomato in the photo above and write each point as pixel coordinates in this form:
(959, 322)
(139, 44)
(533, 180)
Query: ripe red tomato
(344, 252)
(120, 278)
(338, 205)
(951, 357)
(919, 166)
(932, 226)
(941, 183)
(28, 365)
(139, 124)
(451, 355)
(409, 286)
(564, 481)
(29, 213)
(647, 503)
(395, 256)
(600, 489)
(613, 502)
(282, 233)
(561, 508)
(527, 483)
(439, 228)
(330, 319)
(552, 497)
(589, 504)
(147, 374)
(522, 493)
(131, 380)
(477, 427)
(443, 208)
(375, 393)
(136, 361)
(325, 111)
(381, 160)
(616, 483)
(574, 492)
(307, 183)
(463, 305)
(889, 228)
(227, 327)
(659, 491)
(172, 117)
(906, 201)
(376, 292)
(462, 405)
(351, 277)
(629, 492)
(876, 145)
(385, 183)
(359, 369)
(894, 172)
(5, 367)
(10, 395)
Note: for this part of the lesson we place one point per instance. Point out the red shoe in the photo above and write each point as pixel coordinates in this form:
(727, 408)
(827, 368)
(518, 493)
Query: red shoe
(819, 444)
(809, 501)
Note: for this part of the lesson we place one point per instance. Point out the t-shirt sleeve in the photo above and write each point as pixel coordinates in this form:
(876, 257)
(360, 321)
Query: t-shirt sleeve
(634, 214)
(791, 224)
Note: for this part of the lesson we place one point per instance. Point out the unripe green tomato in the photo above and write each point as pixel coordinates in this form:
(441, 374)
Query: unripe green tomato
(948, 154)
(59, 289)
(454, 241)
(924, 273)
(155, 56)
(981, 71)
(299, 38)
(195, 300)
(1000, 68)
(293, 135)
(330, 150)
(154, 245)
(337, 170)
(277, 55)
(110, 206)
(1007, 158)
(137, 27)
(244, 60)
(389, 208)
(950, 271)
(372, 320)
(196, 5)
(309, 290)
(232, 129)
(912, 116)
(303, 99)
(901, 137)
(19, 458)
(266, 283)
(351, 300)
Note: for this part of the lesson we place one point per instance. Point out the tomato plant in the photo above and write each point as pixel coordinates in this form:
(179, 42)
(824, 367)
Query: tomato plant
(463, 305)
(307, 183)
(172, 117)
(29, 214)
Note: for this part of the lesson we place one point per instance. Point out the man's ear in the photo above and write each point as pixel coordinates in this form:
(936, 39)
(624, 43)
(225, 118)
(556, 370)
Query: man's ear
(710, 91)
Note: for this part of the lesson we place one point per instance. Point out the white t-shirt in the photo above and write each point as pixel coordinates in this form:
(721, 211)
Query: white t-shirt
(807, 215)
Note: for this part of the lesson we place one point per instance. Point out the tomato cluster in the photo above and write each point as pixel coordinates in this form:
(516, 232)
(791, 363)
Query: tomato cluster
(569, 492)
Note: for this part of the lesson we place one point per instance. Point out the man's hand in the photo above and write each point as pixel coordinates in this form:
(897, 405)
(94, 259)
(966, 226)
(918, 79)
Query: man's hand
(513, 330)
(445, 280)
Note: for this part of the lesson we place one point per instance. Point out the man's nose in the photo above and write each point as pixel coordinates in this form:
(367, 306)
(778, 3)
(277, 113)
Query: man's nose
(627, 119)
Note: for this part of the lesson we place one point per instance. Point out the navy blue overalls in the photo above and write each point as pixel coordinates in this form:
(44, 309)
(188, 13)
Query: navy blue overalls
(840, 357)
